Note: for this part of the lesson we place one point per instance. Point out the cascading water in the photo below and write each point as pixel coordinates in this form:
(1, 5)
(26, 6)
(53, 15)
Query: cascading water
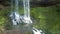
(25, 19)
(26, 11)
(17, 19)
(14, 14)
(26, 8)
(36, 31)
(11, 5)
(27, 16)
(16, 5)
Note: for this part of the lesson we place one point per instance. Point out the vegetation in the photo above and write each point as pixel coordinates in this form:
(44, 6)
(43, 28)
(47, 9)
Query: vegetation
(45, 18)
(49, 19)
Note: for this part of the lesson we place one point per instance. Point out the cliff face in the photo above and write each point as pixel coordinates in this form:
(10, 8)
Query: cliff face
(1, 7)
(34, 3)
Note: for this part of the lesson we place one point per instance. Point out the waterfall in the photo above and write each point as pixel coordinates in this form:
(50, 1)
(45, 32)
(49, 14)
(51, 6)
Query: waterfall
(26, 4)
(14, 14)
(27, 16)
(26, 8)
(36, 31)
(26, 19)
(16, 5)
(11, 5)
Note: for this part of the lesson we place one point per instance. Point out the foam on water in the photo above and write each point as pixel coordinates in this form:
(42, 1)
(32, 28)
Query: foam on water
(17, 18)
(36, 31)
(27, 11)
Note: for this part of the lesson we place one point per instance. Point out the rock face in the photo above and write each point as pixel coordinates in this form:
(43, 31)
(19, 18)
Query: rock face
(35, 2)
(42, 0)
(1, 7)
(44, 3)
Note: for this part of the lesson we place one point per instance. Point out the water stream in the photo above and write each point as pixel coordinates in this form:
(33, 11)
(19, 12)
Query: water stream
(26, 8)
(16, 5)
(18, 19)
(14, 14)
(26, 4)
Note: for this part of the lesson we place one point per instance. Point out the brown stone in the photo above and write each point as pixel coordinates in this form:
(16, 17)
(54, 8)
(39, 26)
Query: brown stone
(1, 7)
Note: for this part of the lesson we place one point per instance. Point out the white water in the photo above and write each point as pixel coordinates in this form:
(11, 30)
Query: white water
(16, 18)
(36, 31)
(16, 5)
(27, 16)
(14, 14)
(27, 11)
(11, 5)
(26, 8)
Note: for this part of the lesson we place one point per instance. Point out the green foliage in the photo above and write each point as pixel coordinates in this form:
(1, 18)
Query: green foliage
(49, 19)
(46, 18)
